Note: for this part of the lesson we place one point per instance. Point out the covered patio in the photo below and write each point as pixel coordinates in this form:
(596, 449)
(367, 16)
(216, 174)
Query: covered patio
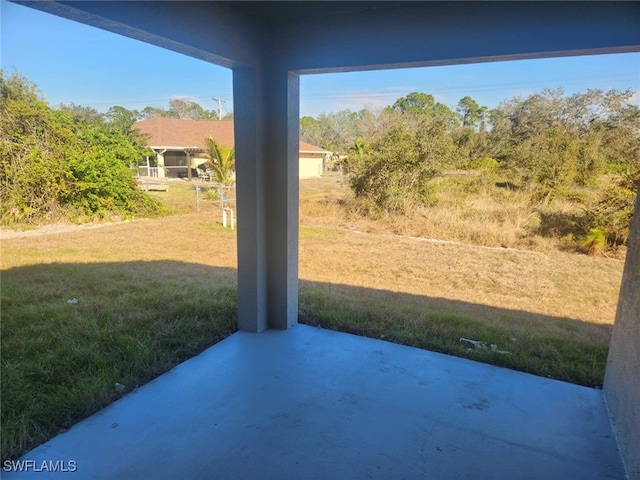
(295, 402)
(307, 403)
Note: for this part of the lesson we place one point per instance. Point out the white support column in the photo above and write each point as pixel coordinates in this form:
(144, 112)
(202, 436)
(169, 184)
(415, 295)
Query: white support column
(248, 112)
(282, 192)
(266, 138)
(160, 153)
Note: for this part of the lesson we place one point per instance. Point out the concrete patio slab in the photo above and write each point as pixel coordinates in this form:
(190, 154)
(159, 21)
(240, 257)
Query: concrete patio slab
(307, 403)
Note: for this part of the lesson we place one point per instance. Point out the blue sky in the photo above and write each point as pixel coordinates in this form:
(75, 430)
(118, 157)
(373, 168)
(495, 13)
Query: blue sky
(74, 63)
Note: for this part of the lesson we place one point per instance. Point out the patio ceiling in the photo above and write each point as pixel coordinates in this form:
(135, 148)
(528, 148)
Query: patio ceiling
(343, 36)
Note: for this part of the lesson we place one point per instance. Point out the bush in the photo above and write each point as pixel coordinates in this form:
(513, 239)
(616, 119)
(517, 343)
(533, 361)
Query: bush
(34, 142)
(594, 242)
(393, 175)
(212, 194)
(614, 212)
(103, 184)
(482, 163)
(54, 164)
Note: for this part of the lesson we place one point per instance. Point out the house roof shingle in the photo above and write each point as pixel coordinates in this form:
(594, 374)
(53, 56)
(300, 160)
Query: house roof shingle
(175, 132)
(307, 147)
(178, 133)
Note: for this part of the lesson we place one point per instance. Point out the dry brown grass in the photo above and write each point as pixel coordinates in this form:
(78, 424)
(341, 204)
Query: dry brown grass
(397, 256)
(194, 238)
(338, 248)
(551, 308)
(558, 284)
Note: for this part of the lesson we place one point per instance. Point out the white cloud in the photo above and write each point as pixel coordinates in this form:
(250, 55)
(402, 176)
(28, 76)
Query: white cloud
(353, 100)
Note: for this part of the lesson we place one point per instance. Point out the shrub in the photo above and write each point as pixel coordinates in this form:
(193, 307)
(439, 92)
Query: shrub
(482, 163)
(34, 142)
(393, 175)
(54, 164)
(615, 209)
(594, 242)
(212, 194)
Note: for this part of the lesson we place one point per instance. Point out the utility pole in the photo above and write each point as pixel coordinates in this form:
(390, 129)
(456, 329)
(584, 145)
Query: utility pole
(220, 102)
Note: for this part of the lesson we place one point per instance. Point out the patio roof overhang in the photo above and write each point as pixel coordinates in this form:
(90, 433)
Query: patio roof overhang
(268, 46)
(407, 34)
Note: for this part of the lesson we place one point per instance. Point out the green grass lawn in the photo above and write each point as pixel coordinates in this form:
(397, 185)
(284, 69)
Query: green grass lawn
(63, 361)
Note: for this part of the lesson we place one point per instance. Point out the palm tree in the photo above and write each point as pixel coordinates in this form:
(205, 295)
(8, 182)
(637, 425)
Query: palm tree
(222, 161)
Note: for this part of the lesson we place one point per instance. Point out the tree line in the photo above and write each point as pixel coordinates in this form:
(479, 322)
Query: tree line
(177, 108)
(66, 163)
(183, 109)
(76, 162)
(548, 144)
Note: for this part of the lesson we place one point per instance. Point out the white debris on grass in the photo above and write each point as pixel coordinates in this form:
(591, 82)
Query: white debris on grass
(482, 346)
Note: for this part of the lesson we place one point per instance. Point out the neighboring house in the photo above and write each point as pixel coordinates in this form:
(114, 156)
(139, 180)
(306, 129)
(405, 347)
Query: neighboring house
(313, 160)
(181, 143)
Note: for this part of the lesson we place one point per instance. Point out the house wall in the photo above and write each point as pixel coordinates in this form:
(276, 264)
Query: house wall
(310, 165)
(175, 163)
(622, 378)
(198, 160)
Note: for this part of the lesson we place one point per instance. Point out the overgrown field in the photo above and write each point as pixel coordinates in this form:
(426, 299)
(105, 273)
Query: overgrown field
(547, 167)
(154, 292)
(474, 207)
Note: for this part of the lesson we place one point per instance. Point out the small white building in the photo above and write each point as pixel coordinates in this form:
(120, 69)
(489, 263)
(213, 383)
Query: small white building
(313, 160)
